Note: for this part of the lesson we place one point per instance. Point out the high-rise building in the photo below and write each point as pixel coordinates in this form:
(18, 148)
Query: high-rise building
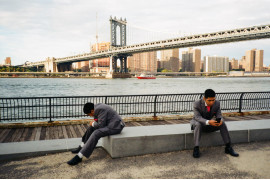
(191, 60)
(96, 65)
(254, 60)
(201, 65)
(216, 64)
(242, 63)
(170, 59)
(250, 60)
(143, 62)
(233, 64)
(259, 61)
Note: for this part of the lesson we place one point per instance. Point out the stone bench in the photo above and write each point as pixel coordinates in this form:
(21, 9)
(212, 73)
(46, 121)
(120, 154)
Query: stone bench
(143, 140)
(166, 138)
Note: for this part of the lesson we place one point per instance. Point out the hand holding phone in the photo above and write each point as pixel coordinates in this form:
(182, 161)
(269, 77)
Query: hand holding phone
(218, 120)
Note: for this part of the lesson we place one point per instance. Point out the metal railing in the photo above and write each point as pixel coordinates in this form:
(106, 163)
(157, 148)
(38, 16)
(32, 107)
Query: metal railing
(51, 108)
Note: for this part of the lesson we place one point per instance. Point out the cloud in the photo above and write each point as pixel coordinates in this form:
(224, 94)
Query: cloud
(33, 30)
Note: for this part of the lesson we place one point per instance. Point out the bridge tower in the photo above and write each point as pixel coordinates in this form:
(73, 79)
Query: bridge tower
(118, 39)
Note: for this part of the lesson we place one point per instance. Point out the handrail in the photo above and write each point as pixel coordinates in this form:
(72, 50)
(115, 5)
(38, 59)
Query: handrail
(68, 107)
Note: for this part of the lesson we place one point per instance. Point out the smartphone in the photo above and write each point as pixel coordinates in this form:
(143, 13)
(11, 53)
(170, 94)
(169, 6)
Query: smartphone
(218, 120)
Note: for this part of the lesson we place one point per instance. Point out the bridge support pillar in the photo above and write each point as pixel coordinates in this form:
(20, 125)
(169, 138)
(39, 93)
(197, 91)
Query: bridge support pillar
(50, 65)
(122, 72)
(111, 64)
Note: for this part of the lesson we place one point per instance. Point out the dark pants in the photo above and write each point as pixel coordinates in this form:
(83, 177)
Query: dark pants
(199, 128)
(91, 137)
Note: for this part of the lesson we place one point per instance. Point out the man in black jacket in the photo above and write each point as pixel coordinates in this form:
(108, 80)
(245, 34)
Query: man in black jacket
(106, 122)
(204, 111)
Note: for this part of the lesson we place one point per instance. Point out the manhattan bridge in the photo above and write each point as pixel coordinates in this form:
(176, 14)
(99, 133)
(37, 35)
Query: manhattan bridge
(120, 34)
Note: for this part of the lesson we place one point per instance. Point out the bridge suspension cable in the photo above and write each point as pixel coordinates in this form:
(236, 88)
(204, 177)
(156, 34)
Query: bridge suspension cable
(137, 34)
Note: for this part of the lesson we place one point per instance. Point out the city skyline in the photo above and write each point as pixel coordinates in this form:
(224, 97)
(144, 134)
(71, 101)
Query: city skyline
(33, 31)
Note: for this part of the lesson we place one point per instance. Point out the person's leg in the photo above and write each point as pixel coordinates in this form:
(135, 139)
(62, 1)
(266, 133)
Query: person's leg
(209, 129)
(197, 137)
(198, 129)
(85, 137)
(225, 133)
(197, 133)
(227, 140)
(87, 134)
(91, 143)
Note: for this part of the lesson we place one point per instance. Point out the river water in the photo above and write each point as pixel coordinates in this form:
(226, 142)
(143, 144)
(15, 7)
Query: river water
(39, 87)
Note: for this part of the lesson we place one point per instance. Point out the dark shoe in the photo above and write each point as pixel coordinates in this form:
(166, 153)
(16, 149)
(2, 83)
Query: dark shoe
(229, 150)
(196, 152)
(77, 150)
(75, 160)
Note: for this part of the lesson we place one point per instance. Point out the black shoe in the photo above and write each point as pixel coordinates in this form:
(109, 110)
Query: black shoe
(229, 150)
(196, 152)
(77, 150)
(75, 160)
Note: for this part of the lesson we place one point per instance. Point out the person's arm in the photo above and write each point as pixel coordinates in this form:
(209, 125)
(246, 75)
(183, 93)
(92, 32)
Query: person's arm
(197, 115)
(218, 114)
(100, 122)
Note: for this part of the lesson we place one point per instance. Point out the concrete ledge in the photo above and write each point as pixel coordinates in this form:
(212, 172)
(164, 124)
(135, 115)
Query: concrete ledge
(157, 139)
(17, 150)
(143, 140)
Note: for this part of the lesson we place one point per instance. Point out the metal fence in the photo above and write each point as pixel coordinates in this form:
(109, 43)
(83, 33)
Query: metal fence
(52, 108)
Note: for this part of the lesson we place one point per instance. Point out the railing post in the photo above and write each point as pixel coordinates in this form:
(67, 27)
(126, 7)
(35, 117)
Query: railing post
(240, 102)
(155, 106)
(50, 103)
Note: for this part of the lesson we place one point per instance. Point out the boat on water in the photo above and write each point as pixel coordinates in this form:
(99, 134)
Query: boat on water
(146, 76)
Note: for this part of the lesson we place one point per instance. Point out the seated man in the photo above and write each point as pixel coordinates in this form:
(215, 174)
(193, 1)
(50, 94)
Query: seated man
(107, 122)
(204, 110)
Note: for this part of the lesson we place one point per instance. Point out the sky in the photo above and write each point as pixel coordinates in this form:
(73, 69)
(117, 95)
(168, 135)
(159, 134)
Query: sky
(32, 30)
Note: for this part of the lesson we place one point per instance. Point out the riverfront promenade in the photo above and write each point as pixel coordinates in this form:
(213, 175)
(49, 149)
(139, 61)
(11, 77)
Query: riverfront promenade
(214, 163)
(253, 162)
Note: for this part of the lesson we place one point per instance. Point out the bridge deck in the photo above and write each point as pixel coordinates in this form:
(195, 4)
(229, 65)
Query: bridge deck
(77, 131)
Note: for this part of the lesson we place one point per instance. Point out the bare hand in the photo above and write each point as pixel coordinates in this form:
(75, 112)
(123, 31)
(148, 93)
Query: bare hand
(215, 123)
(91, 122)
(219, 124)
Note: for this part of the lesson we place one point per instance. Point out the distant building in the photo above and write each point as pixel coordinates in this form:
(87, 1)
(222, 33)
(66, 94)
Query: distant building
(259, 61)
(201, 65)
(102, 64)
(180, 64)
(6, 62)
(96, 65)
(242, 63)
(191, 60)
(254, 60)
(170, 59)
(265, 68)
(216, 64)
(83, 66)
(233, 64)
(143, 62)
